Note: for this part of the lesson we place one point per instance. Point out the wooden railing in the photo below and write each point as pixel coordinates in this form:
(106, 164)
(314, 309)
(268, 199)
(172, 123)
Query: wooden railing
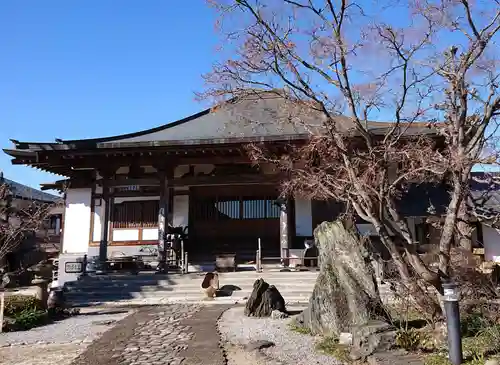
(284, 261)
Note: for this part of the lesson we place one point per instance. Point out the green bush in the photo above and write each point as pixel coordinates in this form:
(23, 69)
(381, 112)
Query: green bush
(295, 327)
(17, 304)
(30, 318)
(473, 324)
(330, 346)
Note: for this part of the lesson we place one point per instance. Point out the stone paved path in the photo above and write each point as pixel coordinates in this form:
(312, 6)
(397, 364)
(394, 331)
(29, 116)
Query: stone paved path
(172, 334)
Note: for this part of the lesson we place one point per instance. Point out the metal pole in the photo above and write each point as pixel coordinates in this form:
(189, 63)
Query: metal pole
(453, 322)
(186, 262)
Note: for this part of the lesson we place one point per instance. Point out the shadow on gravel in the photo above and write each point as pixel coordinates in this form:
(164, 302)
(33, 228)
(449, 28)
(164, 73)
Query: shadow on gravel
(104, 312)
(227, 290)
(294, 312)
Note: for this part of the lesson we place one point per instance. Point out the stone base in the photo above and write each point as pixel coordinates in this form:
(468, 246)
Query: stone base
(370, 338)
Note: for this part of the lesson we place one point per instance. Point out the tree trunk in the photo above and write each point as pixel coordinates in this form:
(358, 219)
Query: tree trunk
(407, 284)
(346, 292)
(464, 229)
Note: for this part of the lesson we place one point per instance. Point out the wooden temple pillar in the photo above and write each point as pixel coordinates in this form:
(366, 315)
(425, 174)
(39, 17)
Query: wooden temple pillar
(103, 242)
(285, 230)
(164, 216)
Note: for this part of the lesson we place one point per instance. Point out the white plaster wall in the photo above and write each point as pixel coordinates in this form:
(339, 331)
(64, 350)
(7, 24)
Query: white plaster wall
(491, 241)
(114, 251)
(125, 234)
(303, 217)
(181, 210)
(98, 220)
(150, 234)
(77, 221)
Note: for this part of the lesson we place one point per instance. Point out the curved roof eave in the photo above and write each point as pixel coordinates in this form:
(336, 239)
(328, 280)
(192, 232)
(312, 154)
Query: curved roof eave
(136, 134)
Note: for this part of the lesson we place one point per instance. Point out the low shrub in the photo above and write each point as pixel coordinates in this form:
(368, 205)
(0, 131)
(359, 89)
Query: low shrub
(17, 304)
(298, 328)
(30, 319)
(485, 342)
(409, 340)
(437, 359)
(330, 346)
(473, 323)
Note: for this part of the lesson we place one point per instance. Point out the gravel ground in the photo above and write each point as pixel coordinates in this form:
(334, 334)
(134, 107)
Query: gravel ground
(290, 347)
(85, 327)
(60, 354)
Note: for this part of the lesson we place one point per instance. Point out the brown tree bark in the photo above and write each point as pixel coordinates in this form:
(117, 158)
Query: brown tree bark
(464, 229)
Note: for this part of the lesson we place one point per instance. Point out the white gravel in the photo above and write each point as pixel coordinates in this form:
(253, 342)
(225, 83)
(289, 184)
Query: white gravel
(290, 347)
(85, 327)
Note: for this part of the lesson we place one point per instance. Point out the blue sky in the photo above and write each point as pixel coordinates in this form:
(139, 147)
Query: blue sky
(90, 68)
(79, 69)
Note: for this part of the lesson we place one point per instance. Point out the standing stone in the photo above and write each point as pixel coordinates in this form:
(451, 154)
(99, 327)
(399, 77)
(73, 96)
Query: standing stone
(264, 299)
(346, 293)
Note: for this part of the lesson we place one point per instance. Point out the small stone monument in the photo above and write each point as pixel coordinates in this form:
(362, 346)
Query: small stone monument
(210, 284)
(41, 293)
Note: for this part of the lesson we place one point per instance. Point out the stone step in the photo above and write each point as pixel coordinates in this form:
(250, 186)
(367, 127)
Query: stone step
(167, 292)
(179, 289)
(176, 276)
(185, 283)
(148, 288)
(104, 302)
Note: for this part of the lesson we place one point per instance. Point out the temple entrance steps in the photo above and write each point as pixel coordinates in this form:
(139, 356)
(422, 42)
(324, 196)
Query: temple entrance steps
(151, 289)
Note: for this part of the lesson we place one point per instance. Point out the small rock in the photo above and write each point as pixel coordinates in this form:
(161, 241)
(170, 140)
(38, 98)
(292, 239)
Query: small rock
(131, 349)
(374, 336)
(345, 338)
(276, 314)
(259, 345)
(103, 323)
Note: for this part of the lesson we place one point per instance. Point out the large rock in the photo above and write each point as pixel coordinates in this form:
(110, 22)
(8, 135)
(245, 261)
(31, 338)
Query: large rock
(346, 293)
(264, 300)
(372, 337)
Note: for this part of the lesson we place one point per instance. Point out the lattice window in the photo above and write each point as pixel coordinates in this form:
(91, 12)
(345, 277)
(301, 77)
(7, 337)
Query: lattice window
(136, 214)
(236, 208)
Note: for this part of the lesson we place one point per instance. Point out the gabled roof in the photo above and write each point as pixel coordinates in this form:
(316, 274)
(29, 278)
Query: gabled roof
(258, 117)
(266, 116)
(21, 191)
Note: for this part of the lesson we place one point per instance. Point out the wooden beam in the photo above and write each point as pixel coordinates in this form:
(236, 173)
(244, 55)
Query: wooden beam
(200, 180)
(98, 161)
(241, 179)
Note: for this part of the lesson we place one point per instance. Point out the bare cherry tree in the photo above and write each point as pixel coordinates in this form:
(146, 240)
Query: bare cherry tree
(428, 67)
(17, 223)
